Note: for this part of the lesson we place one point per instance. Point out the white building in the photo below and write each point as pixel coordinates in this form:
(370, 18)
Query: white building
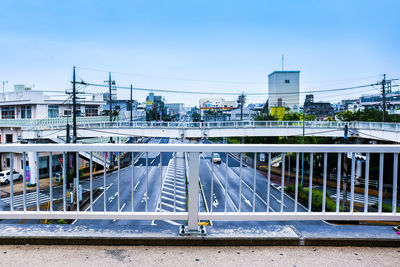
(375, 101)
(284, 89)
(216, 105)
(248, 113)
(24, 107)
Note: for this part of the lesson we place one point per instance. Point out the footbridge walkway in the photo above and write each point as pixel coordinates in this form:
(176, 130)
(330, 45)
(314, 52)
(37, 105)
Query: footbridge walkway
(370, 130)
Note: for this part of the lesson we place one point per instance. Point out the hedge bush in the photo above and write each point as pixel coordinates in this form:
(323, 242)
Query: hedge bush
(386, 207)
(316, 201)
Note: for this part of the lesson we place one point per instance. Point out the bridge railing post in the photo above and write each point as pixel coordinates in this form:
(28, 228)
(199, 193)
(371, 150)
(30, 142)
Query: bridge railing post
(193, 192)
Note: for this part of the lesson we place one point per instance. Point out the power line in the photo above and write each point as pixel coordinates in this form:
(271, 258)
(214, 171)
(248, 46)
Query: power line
(215, 81)
(344, 80)
(171, 78)
(226, 93)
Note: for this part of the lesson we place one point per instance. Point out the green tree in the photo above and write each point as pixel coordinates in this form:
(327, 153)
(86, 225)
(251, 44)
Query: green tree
(372, 115)
(195, 116)
(260, 116)
(296, 116)
(310, 117)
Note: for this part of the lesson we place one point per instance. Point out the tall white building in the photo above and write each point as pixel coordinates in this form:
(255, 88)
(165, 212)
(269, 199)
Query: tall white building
(284, 89)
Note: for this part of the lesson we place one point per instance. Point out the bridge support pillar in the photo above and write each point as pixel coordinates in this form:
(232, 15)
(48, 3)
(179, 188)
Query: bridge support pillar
(193, 208)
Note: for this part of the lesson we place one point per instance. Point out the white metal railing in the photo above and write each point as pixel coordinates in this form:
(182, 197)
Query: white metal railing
(44, 123)
(244, 192)
(104, 123)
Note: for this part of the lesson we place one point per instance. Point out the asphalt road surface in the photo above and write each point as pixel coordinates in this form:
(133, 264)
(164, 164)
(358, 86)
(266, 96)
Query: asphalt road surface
(156, 188)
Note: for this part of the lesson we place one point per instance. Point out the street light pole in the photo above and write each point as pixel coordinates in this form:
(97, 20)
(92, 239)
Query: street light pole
(131, 105)
(344, 202)
(302, 153)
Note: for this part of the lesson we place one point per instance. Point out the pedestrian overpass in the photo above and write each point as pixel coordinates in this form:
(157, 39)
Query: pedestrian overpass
(370, 130)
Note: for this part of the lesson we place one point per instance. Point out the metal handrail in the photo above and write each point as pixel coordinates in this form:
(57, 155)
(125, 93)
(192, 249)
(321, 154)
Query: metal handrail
(256, 189)
(103, 122)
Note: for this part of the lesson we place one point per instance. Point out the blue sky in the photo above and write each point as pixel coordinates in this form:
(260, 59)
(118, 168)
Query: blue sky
(210, 46)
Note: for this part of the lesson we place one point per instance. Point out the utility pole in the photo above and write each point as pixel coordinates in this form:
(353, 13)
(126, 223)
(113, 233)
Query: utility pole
(110, 98)
(241, 100)
(74, 135)
(385, 84)
(346, 134)
(384, 98)
(74, 114)
(74, 129)
(68, 154)
(302, 153)
(131, 104)
(110, 95)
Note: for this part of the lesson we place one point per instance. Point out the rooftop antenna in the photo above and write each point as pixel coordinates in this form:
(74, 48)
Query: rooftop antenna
(4, 82)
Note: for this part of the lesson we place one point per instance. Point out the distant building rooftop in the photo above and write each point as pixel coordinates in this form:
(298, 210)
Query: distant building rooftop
(291, 71)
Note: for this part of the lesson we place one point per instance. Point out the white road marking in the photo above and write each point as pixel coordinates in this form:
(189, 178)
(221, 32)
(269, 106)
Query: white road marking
(247, 201)
(178, 196)
(171, 199)
(123, 206)
(223, 188)
(136, 185)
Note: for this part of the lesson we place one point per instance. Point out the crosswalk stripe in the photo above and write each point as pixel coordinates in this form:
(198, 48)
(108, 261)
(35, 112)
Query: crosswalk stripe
(28, 196)
(171, 199)
(168, 193)
(28, 200)
(172, 206)
(357, 198)
(174, 187)
(178, 183)
(31, 199)
(177, 186)
(177, 190)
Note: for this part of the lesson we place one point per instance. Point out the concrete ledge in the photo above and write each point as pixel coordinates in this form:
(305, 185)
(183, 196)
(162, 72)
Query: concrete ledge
(181, 241)
(354, 242)
(167, 235)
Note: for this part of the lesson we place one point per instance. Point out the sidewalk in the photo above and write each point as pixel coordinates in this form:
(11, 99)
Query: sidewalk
(28, 255)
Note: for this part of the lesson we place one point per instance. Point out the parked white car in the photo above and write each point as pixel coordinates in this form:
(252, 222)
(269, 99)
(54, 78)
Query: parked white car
(5, 176)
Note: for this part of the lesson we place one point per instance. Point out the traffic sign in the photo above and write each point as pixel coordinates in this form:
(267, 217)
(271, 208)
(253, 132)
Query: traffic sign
(61, 160)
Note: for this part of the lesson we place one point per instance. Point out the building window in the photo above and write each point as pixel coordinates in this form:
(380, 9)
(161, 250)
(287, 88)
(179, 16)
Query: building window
(287, 81)
(8, 112)
(91, 111)
(8, 163)
(53, 111)
(67, 113)
(22, 163)
(9, 138)
(26, 112)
